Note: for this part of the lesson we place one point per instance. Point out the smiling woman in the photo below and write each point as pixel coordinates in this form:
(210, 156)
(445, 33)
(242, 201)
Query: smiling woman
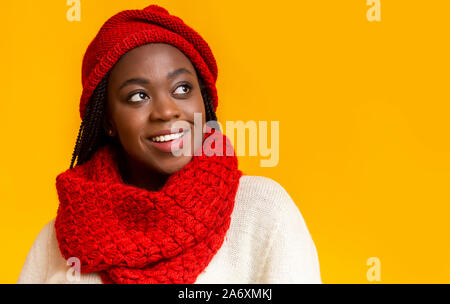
(130, 211)
(151, 87)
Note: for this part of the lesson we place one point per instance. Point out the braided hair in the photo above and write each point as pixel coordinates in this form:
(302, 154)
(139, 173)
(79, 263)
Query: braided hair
(92, 135)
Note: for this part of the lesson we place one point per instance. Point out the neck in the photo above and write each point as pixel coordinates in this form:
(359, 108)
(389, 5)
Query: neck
(137, 175)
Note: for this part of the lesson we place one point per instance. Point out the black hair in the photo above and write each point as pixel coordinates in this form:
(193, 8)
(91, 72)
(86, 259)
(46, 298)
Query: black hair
(92, 136)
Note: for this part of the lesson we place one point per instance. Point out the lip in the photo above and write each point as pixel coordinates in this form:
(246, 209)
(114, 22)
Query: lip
(167, 145)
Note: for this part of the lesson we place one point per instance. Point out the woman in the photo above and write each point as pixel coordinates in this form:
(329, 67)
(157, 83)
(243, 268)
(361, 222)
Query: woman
(135, 209)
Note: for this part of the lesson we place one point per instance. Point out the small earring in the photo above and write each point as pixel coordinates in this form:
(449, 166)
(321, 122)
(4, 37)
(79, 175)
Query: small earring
(110, 132)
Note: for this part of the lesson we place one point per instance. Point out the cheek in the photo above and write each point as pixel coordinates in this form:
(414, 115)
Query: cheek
(195, 107)
(130, 125)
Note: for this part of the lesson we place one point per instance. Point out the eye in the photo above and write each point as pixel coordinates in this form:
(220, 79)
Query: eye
(136, 97)
(182, 89)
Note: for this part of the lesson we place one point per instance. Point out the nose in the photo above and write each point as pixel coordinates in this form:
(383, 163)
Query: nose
(164, 108)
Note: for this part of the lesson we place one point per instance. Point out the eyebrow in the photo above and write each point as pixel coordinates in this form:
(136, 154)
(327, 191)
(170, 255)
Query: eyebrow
(140, 80)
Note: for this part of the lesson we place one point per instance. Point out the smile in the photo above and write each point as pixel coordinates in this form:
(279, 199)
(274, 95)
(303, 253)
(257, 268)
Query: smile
(168, 137)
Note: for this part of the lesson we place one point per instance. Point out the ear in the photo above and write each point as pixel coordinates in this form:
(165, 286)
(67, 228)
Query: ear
(108, 126)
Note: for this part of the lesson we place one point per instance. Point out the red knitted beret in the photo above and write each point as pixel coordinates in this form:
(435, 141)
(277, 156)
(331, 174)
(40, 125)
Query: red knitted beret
(132, 28)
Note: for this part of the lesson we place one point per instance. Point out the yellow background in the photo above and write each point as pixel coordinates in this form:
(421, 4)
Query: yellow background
(363, 110)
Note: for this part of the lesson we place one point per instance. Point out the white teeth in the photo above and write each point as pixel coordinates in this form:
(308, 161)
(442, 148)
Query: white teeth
(167, 137)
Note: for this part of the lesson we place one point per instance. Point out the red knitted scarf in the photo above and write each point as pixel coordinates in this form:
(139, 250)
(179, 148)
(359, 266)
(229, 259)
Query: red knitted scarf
(132, 235)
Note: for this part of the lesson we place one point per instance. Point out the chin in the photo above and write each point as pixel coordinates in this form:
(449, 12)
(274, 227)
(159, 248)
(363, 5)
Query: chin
(173, 165)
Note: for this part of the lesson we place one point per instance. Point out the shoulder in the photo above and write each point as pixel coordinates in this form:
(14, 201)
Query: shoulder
(266, 211)
(44, 234)
(35, 266)
(262, 184)
(263, 193)
(43, 240)
(269, 205)
(50, 225)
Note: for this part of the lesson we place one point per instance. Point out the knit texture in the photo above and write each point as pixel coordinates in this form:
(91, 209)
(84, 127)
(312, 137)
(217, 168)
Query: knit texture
(133, 28)
(132, 235)
(267, 242)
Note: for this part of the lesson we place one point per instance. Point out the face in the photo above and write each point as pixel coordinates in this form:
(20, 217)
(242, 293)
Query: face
(150, 88)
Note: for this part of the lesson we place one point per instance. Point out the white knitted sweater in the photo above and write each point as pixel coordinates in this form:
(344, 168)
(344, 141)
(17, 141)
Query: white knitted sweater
(267, 242)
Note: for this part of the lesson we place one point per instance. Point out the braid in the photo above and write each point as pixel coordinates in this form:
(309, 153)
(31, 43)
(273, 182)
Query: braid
(210, 114)
(209, 110)
(77, 145)
(91, 134)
